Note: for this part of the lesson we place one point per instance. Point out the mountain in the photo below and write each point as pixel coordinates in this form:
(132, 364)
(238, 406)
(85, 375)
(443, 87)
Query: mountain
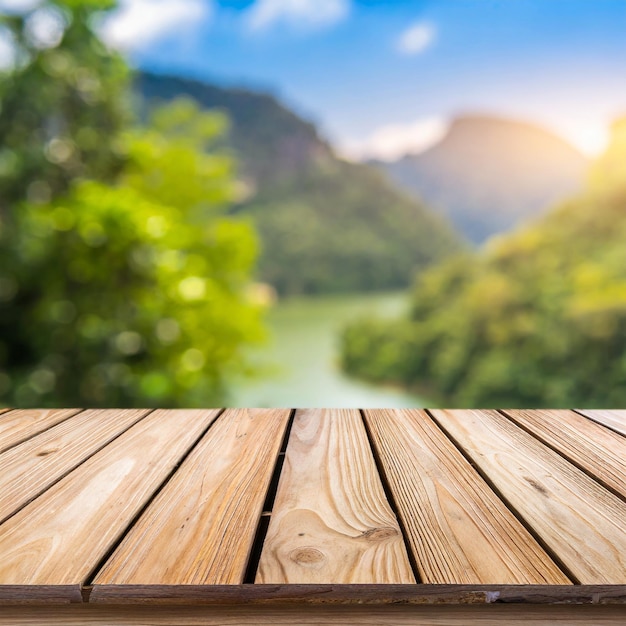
(489, 174)
(325, 225)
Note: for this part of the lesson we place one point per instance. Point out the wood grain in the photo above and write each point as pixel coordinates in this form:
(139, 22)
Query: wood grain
(59, 538)
(615, 419)
(331, 521)
(599, 451)
(28, 468)
(200, 528)
(458, 529)
(20, 424)
(579, 520)
(294, 614)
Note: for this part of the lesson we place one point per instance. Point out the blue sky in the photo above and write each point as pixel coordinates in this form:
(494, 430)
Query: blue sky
(380, 77)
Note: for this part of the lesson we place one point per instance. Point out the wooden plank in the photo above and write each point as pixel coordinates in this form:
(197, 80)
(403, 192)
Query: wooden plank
(21, 424)
(599, 451)
(614, 419)
(579, 520)
(314, 615)
(458, 529)
(59, 538)
(28, 468)
(4, 410)
(39, 594)
(201, 527)
(371, 594)
(331, 522)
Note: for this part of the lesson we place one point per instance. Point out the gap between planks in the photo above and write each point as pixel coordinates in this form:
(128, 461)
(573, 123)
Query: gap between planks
(264, 521)
(331, 522)
(391, 499)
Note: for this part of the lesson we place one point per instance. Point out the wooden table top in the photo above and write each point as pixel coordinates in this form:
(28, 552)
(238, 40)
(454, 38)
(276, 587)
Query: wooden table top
(229, 505)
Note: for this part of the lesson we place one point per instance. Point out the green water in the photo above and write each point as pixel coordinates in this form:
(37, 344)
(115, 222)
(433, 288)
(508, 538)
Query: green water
(304, 352)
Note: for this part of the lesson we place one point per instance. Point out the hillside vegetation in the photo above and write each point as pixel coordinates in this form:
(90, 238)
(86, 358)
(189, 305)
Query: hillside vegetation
(325, 225)
(538, 318)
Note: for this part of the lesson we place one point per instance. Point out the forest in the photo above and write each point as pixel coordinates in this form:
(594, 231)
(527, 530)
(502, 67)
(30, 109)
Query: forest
(535, 318)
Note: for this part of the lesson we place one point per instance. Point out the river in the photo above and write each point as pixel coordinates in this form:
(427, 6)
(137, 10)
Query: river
(303, 354)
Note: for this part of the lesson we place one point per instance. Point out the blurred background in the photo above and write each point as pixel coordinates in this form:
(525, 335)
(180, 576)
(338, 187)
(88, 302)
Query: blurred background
(313, 203)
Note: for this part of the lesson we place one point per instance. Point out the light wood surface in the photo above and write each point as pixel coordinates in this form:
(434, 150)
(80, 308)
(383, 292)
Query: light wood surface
(599, 451)
(165, 507)
(30, 467)
(459, 530)
(579, 520)
(20, 424)
(294, 614)
(59, 538)
(331, 522)
(615, 419)
(201, 527)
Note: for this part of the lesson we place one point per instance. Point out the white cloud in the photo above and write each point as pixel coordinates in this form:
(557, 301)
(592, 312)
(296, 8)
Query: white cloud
(305, 14)
(138, 23)
(416, 38)
(393, 141)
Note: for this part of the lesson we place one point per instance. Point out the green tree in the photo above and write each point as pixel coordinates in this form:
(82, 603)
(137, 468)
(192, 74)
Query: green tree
(122, 279)
(137, 291)
(62, 102)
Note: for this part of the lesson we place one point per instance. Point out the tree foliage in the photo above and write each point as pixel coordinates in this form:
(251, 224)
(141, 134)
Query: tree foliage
(124, 282)
(61, 104)
(538, 318)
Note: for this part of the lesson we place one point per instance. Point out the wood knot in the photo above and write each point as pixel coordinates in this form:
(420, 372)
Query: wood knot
(379, 534)
(47, 452)
(307, 555)
(539, 487)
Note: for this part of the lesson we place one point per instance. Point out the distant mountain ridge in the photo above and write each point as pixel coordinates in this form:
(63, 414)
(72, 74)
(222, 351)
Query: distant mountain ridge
(325, 225)
(271, 142)
(488, 174)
